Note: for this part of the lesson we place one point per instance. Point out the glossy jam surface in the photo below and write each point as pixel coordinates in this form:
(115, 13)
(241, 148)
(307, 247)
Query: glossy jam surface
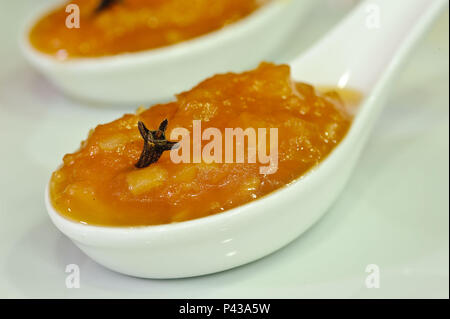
(133, 25)
(100, 185)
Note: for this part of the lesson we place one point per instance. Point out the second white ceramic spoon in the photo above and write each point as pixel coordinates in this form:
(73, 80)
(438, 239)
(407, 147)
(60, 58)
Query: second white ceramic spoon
(131, 79)
(356, 53)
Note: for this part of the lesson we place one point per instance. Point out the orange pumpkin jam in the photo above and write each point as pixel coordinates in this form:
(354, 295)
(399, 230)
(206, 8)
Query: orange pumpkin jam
(133, 25)
(99, 184)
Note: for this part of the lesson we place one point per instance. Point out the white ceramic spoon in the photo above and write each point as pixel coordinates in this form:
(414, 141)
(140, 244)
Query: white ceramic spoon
(352, 54)
(155, 75)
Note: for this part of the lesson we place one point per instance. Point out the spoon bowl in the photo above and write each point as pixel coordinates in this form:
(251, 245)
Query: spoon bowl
(156, 75)
(365, 60)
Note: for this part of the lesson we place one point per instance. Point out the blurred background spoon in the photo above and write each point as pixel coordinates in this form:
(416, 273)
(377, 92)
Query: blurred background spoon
(156, 75)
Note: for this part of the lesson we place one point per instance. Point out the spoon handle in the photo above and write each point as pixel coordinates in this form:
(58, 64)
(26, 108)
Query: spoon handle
(375, 36)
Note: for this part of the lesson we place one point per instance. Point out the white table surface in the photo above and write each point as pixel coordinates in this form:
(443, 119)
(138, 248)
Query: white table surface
(394, 211)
